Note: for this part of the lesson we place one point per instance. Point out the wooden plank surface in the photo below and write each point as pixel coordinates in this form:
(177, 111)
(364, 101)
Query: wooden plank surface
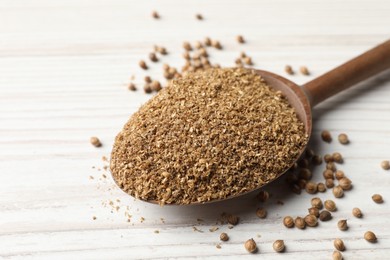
(64, 67)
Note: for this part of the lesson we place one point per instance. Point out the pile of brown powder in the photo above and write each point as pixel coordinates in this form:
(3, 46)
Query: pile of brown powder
(208, 135)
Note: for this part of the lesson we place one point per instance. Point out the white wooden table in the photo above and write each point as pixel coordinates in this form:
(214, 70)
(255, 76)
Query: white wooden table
(64, 68)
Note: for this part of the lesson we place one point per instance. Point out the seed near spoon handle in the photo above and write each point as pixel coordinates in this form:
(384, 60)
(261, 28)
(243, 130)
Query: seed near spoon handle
(348, 74)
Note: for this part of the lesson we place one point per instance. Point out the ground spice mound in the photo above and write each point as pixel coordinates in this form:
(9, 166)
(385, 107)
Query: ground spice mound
(208, 135)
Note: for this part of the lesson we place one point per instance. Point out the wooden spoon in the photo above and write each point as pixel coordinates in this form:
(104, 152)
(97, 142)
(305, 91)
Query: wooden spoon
(304, 98)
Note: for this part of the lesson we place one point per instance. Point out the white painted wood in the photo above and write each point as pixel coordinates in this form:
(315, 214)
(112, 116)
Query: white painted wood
(64, 67)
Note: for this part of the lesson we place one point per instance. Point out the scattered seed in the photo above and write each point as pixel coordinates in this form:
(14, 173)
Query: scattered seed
(304, 70)
(95, 141)
(356, 212)
(317, 203)
(339, 244)
(94, 217)
(331, 166)
(132, 87)
(342, 224)
(216, 44)
(337, 157)
(187, 46)
(218, 246)
(311, 220)
(317, 160)
(325, 215)
(156, 86)
(143, 65)
(148, 89)
(199, 17)
(303, 163)
(326, 136)
(330, 205)
(311, 187)
(339, 174)
(385, 165)
(345, 183)
(148, 79)
(377, 198)
(305, 174)
(232, 219)
(240, 39)
(224, 237)
(155, 15)
(370, 237)
(288, 69)
(328, 174)
(329, 183)
(288, 222)
(302, 183)
(337, 255)
(300, 223)
(343, 139)
(250, 246)
(153, 57)
(248, 61)
(338, 192)
(263, 196)
(321, 187)
(278, 246)
(314, 211)
(207, 41)
(261, 213)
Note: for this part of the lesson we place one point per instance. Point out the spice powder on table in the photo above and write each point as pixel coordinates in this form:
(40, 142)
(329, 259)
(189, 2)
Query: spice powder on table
(209, 135)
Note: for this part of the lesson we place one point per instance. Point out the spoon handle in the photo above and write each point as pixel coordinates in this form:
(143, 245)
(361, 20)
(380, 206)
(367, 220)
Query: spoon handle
(348, 74)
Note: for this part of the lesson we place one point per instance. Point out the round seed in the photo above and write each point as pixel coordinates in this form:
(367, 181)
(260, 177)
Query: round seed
(288, 222)
(325, 215)
(356, 212)
(311, 187)
(302, 183)
(370, 237)
(132, 87)
(342, 224)
(385, 165)
(305, 174)
(148, 89)
(187, 46)
(314, 211)
(311, 220)
(317, 160)
(199, 17)
(304, 70)
(377, 198)
(300, 223)
(95, 141)
(233, 220)
(321, 187)
(338, 192)
(153, 57)
(148, 79)
(328, 158)
(339, 174)
(345, 183)
(303, 163)
(337, 255)
(263, 196)
(339, 244)
(261, 213)
(331, 166)
(156, 86)
(337, 157)
(224, 237)
(250, 246)
(326, 136)
(278, 246)
(143, 65)
(316, 203)
(155, 15)
(240, 39)
(343, 139)
(329, 183)
(330, 205)
(328, 174)
(288, 69)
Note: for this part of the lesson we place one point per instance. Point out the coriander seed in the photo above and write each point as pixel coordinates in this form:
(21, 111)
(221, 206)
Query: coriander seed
(311, 187)
(302, 183)
(143, 65)
(356, 212)
(311, 220)
(316, 203)
(207, 41)
(261, 213)
(377, 198)
(216, 44)
(263, 196)
(314, 211)
(331, 166)
(288, 69)
(303, 163)
(329, 183)
(309, 153)
(317, 160)
(232, 219)
(132, 87)
(339, 244)
(342, 224)
(248, 61)
(326, 136)
(321, 187)
(325, 215)
(153, 57)
(187, 46)
(155, 15)
(240, 39)
(305, 174)
(148, 89)
(385, 165)
(300, 223)
(343, 139)
(338, 192)
(337, 255)
(156, 86)
(278, 246)
(339, 174)
(224, 237)
(328, 158)
(199, 17)
(370, 237)
(345, 183)
(337, 157)
(304, 70)
(330, 205)
(328, 174)
(250, 246)
(95, 141)
(288, 222)
(148, 79)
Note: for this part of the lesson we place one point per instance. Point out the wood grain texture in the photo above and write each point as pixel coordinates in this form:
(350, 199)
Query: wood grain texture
(64, 67)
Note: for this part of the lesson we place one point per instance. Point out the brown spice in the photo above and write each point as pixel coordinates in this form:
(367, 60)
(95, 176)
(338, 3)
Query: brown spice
(153, 57)
(328, 174)
(311, 220)
(193, 133)
(339, 174)
(248, 60)
(337, 255)
(261, 213)
(377, 198)
(224, 237)
(325, 215)
(339, 244)
(250, 246)
(385, 165)
(199, 17)
(328, 158)
(95, 141)
(143, 65)
(338, 192)
(321, 187)
(288, 69)
(155, 15)
(288, 222)
(207, 41)
(304, 70)
(305, 174)
(240, 39)
(278, 246)
(300, 223)
(337, 157)
(331, 166)
(263, 196)
(345, 183)
(314, 211)
(329, 183)
(303, 163)
(187, 46)
(356, 212)
(156, 86)
(317, 160)
(311, 187)
(148, 79)
(216, 44)
(370, 237)
(330, 205)
(343, 138)
(232, 219)
(316, 203)
(326, 136)
(132, 87)
(342, 224)
(148, 89)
